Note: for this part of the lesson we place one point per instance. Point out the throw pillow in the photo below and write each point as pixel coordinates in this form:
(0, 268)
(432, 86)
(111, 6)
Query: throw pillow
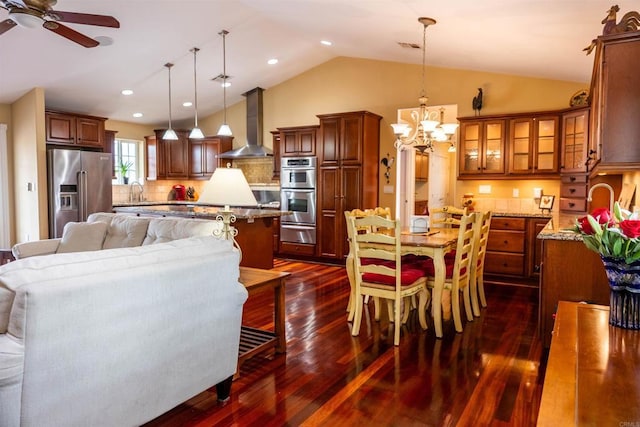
(82, 236)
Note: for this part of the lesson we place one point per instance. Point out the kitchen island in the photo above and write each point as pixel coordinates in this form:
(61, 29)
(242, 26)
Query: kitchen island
(256, 227)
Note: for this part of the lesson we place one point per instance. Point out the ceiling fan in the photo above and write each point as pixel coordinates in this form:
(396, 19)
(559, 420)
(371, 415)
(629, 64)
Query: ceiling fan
(32, 13)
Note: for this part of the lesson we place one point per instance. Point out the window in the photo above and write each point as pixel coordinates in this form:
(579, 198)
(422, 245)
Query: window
(127, 152)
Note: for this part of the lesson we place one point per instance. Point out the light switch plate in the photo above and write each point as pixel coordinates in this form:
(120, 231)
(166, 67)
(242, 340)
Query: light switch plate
(388, 189)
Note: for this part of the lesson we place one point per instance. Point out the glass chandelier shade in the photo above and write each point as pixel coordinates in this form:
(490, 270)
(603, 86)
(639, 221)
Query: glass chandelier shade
(196, 132)
(430, 126)
(169, 133)
(224, 130)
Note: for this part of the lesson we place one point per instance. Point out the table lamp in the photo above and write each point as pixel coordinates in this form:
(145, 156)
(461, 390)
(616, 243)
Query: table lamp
(227, 187)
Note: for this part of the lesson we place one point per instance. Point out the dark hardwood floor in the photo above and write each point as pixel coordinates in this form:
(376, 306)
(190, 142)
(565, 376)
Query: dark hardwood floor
(489, 375)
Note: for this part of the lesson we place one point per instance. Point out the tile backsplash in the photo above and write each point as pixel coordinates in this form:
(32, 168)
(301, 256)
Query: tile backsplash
(257, 171)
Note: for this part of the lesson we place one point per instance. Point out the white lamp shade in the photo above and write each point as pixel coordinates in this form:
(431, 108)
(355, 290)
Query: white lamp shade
(228, 187)
(25, 18)
(399, 128)
(170, 134)
(429, 125)
(449, 128)
(196, 133)
(225, 130)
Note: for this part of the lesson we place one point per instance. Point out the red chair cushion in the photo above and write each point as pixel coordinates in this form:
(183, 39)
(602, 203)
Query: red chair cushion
(430, 269)
(407, 277)
(370, 261)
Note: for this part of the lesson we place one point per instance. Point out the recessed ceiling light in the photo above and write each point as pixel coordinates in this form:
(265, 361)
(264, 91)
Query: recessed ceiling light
(326, 42)
(187, 104)
(127, 92)
(104, 40)
(137, 115)
(272, 61)
(227, 84)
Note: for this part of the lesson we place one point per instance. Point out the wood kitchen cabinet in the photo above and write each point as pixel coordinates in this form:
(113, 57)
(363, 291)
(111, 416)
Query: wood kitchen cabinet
(275, 138)
(348, 153)
(514, 253)
(74, 129)
(534, 145)
(481, 147)
(570, 272)
(422, 167)
(183, 158)
(298, 141)
(109, 141)
(575, 154)
(615, 91)
(203, 155)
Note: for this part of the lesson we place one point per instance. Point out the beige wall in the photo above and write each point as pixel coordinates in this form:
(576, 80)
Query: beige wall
(29, 165)
(350, 84)
(127, 130)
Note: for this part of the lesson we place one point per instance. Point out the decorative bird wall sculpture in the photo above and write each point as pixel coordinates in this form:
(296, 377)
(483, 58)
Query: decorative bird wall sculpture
(477, 102)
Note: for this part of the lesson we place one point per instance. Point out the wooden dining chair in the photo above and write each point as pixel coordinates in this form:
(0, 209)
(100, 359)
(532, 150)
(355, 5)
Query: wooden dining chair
(458, 271)
(476, 279)
(359, 213)
(446, 216)
(380, 273)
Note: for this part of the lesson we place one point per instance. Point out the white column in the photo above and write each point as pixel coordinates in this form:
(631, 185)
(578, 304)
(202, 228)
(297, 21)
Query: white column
(4, 189)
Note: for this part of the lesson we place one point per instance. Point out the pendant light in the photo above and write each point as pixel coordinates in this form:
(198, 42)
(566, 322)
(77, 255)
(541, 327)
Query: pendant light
(169, 133)
(196, 133)
(224, 130)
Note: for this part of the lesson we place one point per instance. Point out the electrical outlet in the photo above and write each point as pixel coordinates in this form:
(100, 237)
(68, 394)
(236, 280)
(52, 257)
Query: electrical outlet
(484, 189)
(516, 192)
(388, 189)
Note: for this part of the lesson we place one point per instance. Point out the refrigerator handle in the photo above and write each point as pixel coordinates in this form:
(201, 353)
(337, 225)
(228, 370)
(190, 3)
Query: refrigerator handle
(82, 184)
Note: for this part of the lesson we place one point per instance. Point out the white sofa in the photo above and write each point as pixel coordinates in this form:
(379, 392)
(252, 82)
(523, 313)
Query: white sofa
(110, 230)
(117, 337)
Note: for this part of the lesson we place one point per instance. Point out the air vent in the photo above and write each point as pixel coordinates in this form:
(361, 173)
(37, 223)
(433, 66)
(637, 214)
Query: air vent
(221, 77)
(409, 45)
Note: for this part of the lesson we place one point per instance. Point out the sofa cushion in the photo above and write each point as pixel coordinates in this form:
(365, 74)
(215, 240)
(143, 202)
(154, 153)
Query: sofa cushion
(167, 229)
(126, 231)
(82, 236)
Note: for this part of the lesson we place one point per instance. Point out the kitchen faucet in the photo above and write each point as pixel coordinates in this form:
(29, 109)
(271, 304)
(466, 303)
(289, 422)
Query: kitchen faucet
(608, 187)
(139, 197)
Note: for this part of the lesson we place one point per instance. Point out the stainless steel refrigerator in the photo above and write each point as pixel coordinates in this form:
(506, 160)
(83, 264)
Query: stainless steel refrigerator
(79, 184)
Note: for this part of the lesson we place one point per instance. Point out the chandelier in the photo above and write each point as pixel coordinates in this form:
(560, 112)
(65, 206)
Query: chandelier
(430, 126)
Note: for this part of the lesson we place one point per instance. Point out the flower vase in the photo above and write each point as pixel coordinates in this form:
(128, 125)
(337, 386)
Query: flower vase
(624, 286)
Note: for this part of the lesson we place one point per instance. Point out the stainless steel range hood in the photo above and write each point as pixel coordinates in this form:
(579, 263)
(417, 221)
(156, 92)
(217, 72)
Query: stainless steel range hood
(253, 148)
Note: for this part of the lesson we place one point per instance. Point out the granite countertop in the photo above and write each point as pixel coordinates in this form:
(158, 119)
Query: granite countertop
(559, 227)
(191, 210)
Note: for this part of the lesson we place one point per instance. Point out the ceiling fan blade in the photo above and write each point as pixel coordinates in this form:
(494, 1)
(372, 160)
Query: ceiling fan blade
(6, 25)
(85, 18)
(70, 34)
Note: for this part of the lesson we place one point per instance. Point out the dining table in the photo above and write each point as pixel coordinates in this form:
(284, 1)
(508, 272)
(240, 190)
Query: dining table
(434, 243)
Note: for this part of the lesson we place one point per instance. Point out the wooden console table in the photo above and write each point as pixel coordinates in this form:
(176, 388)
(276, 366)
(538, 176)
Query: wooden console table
(593, 372)
(253, 340)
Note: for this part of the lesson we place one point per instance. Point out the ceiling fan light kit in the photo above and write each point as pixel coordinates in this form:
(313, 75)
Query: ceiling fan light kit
(34, 13)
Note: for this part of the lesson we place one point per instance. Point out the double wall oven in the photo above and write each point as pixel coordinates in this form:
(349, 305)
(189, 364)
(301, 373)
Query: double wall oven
(298, 195)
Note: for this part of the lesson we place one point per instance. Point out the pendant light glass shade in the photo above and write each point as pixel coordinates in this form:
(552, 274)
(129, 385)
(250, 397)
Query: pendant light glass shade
(169, 133)
(196, 132)
(224, 130)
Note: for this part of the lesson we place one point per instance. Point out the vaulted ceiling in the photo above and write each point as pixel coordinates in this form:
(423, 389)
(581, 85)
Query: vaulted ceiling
(540, 38)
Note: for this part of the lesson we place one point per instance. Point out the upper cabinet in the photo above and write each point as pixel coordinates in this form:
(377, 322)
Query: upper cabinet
(533, 145)
(575, 153)
(298, 141)
(481, 148)
(74, 129)
(203, 155)
(615, 95)
(184, 158)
